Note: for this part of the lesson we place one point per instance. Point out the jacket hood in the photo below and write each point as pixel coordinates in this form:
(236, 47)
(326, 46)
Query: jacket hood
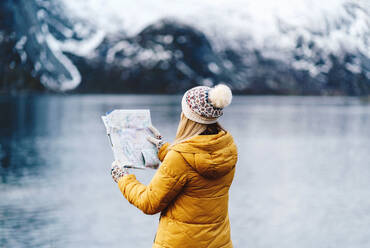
(212, 156)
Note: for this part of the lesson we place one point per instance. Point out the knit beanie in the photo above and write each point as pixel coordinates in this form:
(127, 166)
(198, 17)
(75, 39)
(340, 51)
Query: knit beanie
(203, 104)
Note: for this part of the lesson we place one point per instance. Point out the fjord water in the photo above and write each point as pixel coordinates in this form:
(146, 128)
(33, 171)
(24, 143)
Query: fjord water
(302, 178)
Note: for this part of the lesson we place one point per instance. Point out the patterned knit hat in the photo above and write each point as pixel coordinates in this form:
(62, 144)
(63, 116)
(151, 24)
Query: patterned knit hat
(203, 104)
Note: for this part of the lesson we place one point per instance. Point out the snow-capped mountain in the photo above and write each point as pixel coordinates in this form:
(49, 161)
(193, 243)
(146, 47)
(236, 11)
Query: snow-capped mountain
(266, 46)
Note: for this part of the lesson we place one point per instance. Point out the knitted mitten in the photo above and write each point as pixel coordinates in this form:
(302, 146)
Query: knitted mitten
(157, 140)
(117, 171)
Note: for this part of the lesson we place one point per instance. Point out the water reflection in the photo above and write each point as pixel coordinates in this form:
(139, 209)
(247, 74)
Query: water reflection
(302, 175)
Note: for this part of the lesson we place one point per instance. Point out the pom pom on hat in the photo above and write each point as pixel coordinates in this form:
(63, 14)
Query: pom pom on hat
(220, 96)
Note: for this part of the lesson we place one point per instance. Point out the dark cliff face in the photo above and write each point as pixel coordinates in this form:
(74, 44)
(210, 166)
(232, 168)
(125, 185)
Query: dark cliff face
(165, 57)
(16, 70)
(41, 50)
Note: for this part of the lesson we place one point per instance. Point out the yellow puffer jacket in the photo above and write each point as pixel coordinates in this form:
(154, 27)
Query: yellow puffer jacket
(190, 189)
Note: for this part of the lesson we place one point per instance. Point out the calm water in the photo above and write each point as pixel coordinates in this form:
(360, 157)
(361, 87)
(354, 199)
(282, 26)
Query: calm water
(302, 180)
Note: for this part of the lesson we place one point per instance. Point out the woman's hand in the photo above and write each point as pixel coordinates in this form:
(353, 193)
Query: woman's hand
(117, 171)
(157, 139)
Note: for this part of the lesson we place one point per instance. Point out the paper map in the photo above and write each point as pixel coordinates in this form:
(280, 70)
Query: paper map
(127, 131)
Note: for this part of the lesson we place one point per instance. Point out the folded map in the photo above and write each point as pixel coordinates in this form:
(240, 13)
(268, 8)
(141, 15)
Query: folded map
(127, 131)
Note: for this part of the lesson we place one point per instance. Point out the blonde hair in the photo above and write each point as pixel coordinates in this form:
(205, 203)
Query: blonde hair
(188, 129)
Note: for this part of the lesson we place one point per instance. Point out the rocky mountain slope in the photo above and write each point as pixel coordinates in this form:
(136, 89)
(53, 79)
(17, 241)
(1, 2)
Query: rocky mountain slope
(257, 48)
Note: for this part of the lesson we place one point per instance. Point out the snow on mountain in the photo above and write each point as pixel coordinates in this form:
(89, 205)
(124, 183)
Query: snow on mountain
(273, 27)
(335, 24)
(265, 44)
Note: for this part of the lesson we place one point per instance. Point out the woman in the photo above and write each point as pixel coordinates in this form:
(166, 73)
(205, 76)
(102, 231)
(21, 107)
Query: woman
(190, 187)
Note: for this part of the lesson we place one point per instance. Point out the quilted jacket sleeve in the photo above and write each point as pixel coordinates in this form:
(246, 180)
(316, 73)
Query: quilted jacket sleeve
(167, 182)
